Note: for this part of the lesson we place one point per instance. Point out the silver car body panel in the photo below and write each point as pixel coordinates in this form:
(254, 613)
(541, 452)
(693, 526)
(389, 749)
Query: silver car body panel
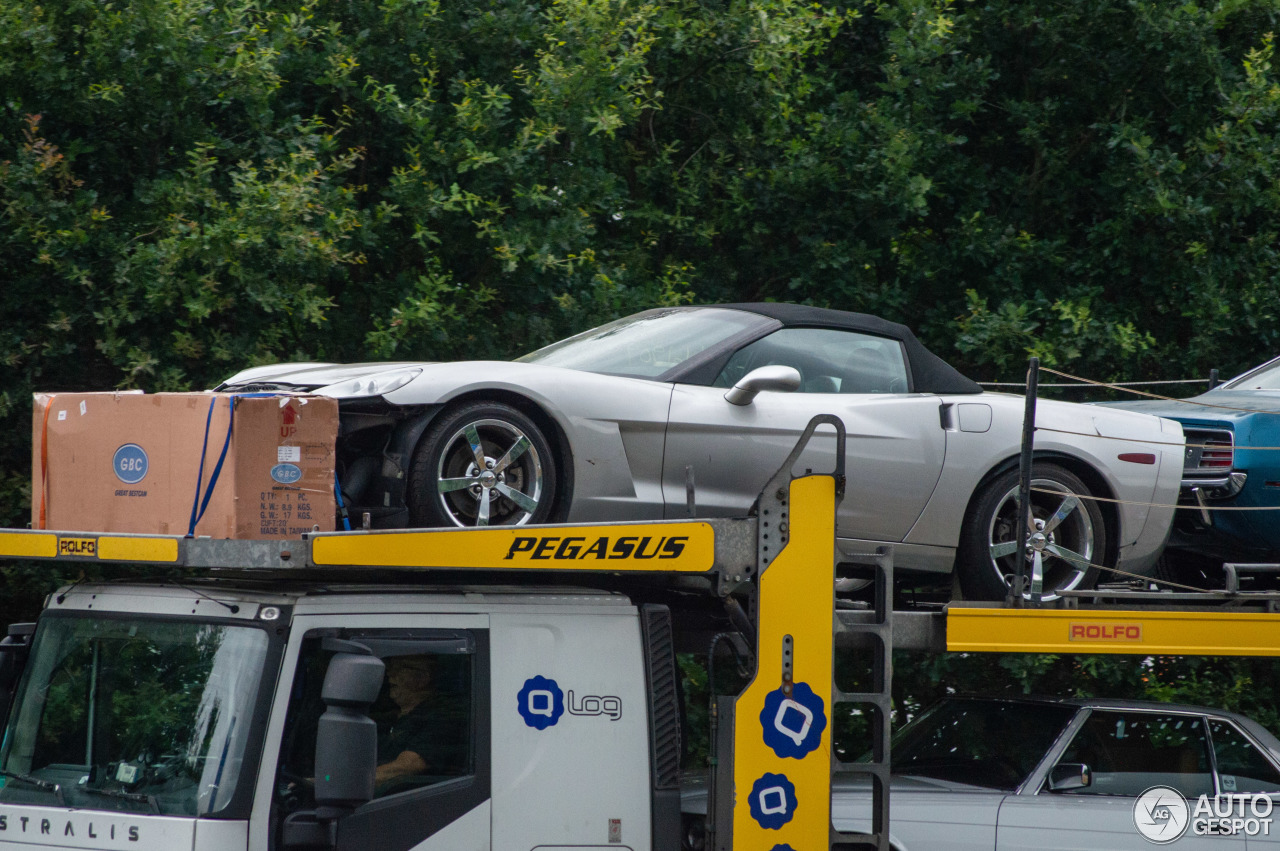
(929, 815)
(1054, 822)
(912, 468)
(615, 425)
(915, 460)
(960, 819)
(1067, 431)
(895, 452)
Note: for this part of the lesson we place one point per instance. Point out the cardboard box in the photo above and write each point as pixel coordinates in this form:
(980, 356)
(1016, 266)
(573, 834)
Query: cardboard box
(248, 466)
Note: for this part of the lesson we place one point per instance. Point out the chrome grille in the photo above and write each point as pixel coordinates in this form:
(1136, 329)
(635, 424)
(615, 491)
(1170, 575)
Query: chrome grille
(1210, 452)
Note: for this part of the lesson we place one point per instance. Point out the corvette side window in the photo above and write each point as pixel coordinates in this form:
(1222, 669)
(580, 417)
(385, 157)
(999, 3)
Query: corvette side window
(1129, 752)
(828, 361)
(1242, 768)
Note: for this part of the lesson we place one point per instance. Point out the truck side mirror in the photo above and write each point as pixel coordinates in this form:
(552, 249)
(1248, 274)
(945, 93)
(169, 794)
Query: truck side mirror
(1070, 775)
(346, 737)
(782, 379)
(14, 649)
(346, 745)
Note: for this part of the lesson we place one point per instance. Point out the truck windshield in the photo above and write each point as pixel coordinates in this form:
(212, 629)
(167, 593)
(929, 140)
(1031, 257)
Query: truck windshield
(135, 715)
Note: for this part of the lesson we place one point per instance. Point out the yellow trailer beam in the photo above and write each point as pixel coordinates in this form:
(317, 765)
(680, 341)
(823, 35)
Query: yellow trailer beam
(1163, 633)
(662, 547)
(87, 546)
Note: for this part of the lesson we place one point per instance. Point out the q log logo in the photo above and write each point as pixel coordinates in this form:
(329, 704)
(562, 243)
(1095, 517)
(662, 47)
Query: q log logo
(773, 801)
(540, 702)
(793, 724)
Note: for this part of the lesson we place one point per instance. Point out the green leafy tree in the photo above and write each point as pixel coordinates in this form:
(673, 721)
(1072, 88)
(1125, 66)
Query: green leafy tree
(189, 187)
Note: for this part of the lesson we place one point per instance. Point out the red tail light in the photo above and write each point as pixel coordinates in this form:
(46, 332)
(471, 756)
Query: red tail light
(1217, 454)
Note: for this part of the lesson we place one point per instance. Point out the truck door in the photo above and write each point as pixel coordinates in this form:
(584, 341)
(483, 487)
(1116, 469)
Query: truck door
(573, 768)
(432, 789)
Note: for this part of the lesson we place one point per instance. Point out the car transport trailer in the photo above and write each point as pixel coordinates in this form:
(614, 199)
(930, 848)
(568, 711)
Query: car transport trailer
(237, 700)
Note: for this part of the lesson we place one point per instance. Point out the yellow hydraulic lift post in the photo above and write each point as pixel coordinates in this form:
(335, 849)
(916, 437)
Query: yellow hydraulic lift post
(782, 729)
(782, 732)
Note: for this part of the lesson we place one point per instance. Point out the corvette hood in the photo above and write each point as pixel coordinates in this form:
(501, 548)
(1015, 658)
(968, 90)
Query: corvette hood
(437, 382)
(308, 376)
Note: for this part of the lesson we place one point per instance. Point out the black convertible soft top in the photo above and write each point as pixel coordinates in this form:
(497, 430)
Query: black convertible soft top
(929, 373)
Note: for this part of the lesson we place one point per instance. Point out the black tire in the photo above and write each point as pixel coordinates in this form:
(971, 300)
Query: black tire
(522, 491)
(986, 561)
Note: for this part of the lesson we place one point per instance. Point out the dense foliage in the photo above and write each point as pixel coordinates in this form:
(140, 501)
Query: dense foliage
(188, 186)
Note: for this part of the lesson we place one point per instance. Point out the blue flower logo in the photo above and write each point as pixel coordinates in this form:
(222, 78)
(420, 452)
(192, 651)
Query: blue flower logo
(793, 725)
(540, 702)
(773, 801)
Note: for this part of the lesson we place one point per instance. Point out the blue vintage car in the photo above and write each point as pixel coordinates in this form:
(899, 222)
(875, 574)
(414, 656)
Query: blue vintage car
(1232, 461)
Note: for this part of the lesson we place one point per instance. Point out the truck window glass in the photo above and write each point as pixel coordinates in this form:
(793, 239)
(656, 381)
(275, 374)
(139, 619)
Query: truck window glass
(424, 717)
(1129, 752)
(134, 715)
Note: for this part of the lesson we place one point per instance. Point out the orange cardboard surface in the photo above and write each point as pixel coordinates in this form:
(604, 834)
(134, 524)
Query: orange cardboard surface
(240, 466)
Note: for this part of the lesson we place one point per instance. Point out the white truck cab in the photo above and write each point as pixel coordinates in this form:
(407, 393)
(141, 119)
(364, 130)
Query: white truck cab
(173, 717)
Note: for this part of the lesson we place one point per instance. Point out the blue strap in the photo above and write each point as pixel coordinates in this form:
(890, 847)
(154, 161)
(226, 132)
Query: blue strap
(217, 469)
(204, 447)
(342, 509)
(198, 507)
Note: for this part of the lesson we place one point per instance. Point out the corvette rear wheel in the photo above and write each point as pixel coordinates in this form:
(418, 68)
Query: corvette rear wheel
(1068, 535)
(482, 464)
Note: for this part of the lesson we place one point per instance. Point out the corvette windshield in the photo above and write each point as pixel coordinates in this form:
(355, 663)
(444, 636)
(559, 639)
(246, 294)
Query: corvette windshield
(648, 344)
(135, 715)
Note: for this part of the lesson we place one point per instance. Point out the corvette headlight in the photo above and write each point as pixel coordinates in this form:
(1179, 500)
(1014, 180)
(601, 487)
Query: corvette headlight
(378, 384)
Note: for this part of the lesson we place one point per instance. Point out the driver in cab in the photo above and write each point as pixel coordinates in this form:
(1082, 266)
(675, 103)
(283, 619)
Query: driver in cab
(423, 737)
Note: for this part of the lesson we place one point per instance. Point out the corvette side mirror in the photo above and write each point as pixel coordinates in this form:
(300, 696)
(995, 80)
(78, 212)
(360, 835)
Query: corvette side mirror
(780, 379)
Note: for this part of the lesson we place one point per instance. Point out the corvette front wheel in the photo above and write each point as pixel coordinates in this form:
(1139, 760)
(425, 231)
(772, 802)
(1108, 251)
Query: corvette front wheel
(1067, 534)
(482, 464)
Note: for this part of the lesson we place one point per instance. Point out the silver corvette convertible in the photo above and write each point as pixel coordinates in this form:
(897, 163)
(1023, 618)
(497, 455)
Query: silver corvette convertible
(693, 408)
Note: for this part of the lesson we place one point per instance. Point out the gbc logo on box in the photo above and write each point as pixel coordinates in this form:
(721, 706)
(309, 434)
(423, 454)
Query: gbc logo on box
(286, 474)
(130, 463)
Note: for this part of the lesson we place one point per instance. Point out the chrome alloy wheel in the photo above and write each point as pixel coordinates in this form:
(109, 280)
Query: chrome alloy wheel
(489, 474)
(1062, 539)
